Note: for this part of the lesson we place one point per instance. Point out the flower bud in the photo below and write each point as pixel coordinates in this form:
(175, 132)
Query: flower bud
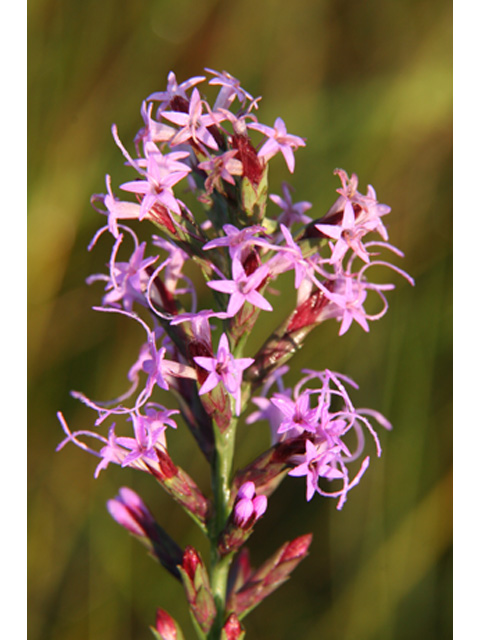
(131, 513)
(232, 629)
(166, 626)
(247, 509)
(273, 573)
(242, 512)
(197, 588)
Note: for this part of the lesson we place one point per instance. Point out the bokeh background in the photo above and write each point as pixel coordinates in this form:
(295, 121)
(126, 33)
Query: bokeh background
(369, 85)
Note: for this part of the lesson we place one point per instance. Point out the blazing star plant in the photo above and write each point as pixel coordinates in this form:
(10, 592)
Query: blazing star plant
(240, 243)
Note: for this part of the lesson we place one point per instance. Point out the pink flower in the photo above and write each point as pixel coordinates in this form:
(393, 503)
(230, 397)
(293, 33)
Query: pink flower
(291, 213)
(298, 417)
(193, 124)
(278, 140)
(162, 173)
(128, 280)
(316, 463)
(243, 288)
(149, 433)
(230, 89)
(117, 209)
(224, 368)
(348, 235)
(222, 167)
(174, 89)
(346, 302)
(238, 239)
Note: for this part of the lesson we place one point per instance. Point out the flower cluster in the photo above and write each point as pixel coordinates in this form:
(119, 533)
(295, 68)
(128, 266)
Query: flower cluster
(241, 241)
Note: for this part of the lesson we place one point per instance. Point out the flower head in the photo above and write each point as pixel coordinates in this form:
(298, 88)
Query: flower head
(243, 288)
(193, 125)
(278, 141)
(224, 368)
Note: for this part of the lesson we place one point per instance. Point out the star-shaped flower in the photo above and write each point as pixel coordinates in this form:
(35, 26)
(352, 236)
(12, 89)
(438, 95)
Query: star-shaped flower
(316, 463)
(193, 124)
(174, 89)
(243, 288)
(278, 140)
(224, 368)
(291, 212)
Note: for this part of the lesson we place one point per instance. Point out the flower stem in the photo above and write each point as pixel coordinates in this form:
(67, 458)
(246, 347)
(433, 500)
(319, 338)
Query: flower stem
(221, 480)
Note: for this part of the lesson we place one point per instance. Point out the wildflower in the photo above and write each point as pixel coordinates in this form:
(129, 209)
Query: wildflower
(224, 368)
(238, 240)
(230, 89)
(316, 463)
(149, 434)
(193, 124)
(348, 236)
(297, 414)
(243, 288)
(316, 432)
(222, 167)
(278, 140)
(160, 177)
(174, 90)
(291, 213)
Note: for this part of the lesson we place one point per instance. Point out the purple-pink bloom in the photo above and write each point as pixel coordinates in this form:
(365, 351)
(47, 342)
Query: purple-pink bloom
(128, 280)
(224, 368)
(368, 211)
(238, 240)
(193, 124)
(149, 433)
(298, 417)
(230, 89)
(243, 288)
(221, 167)
(346, 302)
(174, 89)
(348, 235)
(278, 140)
(291, 212)
(316, 463)
(153, 131)
(118, 209)
(291, 257)
(162, 173)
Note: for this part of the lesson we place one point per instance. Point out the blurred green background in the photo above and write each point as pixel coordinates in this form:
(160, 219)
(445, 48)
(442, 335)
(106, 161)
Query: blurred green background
(369, 85)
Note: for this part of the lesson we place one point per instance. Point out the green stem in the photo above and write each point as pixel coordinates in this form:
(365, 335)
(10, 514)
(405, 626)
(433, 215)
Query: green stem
(221, 479)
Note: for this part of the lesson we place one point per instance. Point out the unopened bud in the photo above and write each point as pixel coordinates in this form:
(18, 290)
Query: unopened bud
(165, 626)
(232, 629)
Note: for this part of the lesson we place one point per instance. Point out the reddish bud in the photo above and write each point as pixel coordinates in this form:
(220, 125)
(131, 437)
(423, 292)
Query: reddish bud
(191, 560)
(167, 467)
(232, 629)
(297, 548)
(252, 166)
(165, 625)
(308, 312)
(197, 589)
(159, 214)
